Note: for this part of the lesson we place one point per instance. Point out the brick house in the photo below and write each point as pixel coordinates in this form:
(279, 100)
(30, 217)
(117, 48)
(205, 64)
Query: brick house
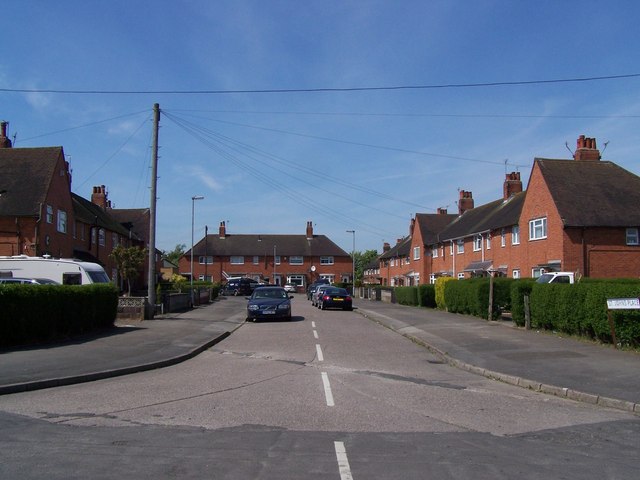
(40, 215)
(582, 215)
(396, 269)
(36, 208)
(269, 258)
(577, 215)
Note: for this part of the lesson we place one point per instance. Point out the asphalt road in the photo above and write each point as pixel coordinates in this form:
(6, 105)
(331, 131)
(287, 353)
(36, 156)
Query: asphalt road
(329, 395)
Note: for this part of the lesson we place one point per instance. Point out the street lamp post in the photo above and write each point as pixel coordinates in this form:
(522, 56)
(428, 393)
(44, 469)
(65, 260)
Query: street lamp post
(193, 203)
(353, 260)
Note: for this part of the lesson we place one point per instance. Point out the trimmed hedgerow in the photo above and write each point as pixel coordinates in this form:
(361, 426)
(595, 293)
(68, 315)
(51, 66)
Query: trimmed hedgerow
(35, 313)
(427, 295)
(518, 289)
(441, 283)
(407, 295)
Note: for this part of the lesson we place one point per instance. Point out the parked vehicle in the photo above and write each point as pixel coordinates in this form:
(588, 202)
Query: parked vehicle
(334, 297)
(313, 286)
(269, 302)
(66, 271)
(239, 286)
(290, 288)
(556, 277)
(318, 293)
(27, 281)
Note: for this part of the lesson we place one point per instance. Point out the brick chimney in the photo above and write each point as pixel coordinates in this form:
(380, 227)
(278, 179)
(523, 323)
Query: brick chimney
(222, 231)
(309, 230)
(512, 184)
(99, 197)
(586, 150)
(441, 211)
(466, 202)
(4, 140)
(412, 225)
(386, 247)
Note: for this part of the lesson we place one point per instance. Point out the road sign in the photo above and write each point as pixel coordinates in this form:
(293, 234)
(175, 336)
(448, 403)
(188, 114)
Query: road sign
(623, 303)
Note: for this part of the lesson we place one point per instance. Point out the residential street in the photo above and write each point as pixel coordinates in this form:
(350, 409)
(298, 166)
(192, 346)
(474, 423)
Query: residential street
(329, 395)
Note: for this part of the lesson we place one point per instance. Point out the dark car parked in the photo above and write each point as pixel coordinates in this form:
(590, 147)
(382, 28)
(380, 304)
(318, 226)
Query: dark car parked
(334, 297)
(239, 286)
(269, 302)
(313, 286)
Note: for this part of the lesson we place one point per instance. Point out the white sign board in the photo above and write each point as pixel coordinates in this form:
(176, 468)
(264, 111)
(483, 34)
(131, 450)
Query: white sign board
(623, 303)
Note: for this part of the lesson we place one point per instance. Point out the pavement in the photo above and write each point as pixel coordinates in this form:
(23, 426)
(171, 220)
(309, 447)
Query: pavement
(542, 361)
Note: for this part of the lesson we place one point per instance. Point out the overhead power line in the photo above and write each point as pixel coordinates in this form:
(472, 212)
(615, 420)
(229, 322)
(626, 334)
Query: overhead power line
(321, 89)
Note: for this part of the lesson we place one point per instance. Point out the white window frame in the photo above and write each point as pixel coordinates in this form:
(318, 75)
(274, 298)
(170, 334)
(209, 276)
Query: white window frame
(450, 248)
(326, 260)
(460, 276)
(236, 260)
(256, 260)
(460, 245)
(62, 221)
(297, 280)
(432, 278)
(49, 214)
(277, 259)
(515, 273)
(101, 237)
(537, 271)
(488, 241)
(205, 260)
(434, 251)
(296, 260)
(477, 243)
(632, 237)
(503, 238)
(515, 235)
(329, 276)
(416, 253)
(538, 228)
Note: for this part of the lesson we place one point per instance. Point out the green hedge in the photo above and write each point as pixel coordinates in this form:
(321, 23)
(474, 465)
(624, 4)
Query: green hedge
(471, 296)
(407, 295)
(35, 313)
(581, 309)
(427, 295)
(519, 288)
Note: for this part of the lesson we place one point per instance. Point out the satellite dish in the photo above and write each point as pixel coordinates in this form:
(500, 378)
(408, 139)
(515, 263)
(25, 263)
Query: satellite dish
(313, 268)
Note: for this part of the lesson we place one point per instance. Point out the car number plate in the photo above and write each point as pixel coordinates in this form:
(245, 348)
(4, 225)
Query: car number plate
(268, 312)
(338, 299)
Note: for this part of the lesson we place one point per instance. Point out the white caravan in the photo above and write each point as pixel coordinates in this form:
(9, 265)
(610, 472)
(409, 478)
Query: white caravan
(65, 271)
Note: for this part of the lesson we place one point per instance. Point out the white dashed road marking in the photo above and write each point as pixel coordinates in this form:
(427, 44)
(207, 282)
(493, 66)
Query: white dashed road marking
(327, 390)
(343, 461)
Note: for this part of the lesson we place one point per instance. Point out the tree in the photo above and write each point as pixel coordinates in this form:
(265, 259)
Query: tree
(174, 255)
(363, 259)
(129, 261)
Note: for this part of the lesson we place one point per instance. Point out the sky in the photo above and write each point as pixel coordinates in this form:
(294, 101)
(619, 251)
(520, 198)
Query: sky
(354, 115)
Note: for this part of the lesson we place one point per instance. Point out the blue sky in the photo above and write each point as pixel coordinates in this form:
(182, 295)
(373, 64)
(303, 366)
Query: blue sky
(364, 160)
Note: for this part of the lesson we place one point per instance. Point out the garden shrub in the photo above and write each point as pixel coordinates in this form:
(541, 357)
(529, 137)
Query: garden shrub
(407, 295)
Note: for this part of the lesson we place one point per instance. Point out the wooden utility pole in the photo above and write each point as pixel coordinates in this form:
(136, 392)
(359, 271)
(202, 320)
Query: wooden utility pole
(151, 293)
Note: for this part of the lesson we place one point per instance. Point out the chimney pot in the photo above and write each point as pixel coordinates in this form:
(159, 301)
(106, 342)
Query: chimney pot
(586, 150)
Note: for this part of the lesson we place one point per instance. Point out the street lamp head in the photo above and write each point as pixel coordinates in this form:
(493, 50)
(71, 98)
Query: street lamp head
(197, 197)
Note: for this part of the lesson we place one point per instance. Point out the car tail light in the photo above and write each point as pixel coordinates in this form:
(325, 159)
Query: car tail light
(348, 299)
(326, 297)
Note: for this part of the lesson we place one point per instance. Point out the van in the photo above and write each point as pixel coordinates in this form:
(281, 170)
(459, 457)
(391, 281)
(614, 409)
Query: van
(65, 271)
(556, 277)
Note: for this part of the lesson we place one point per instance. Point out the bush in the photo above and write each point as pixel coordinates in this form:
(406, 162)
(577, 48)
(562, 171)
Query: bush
(427, 295)
(581, 309)
(34, 313)
(440, 292)
(407, 295)
(517, 290)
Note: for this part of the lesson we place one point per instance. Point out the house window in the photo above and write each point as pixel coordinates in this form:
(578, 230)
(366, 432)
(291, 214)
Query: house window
(329, 277)
(49, 215)
(538, 229)
(101, 237)
(328, 260)
(62, 221)
(477, 243)
(434, 251)
(93, 235)
(515, 273)
(277, 259)
(236, 260)
(632, 236)
(297, 280)
(460, 245)
(416, 253)
(451, 248)
(205, 260)
(296, 260)
(536, 272)
(488, 241)
(432, 279)
(515, 235)
(256, 259)
(503, 238)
